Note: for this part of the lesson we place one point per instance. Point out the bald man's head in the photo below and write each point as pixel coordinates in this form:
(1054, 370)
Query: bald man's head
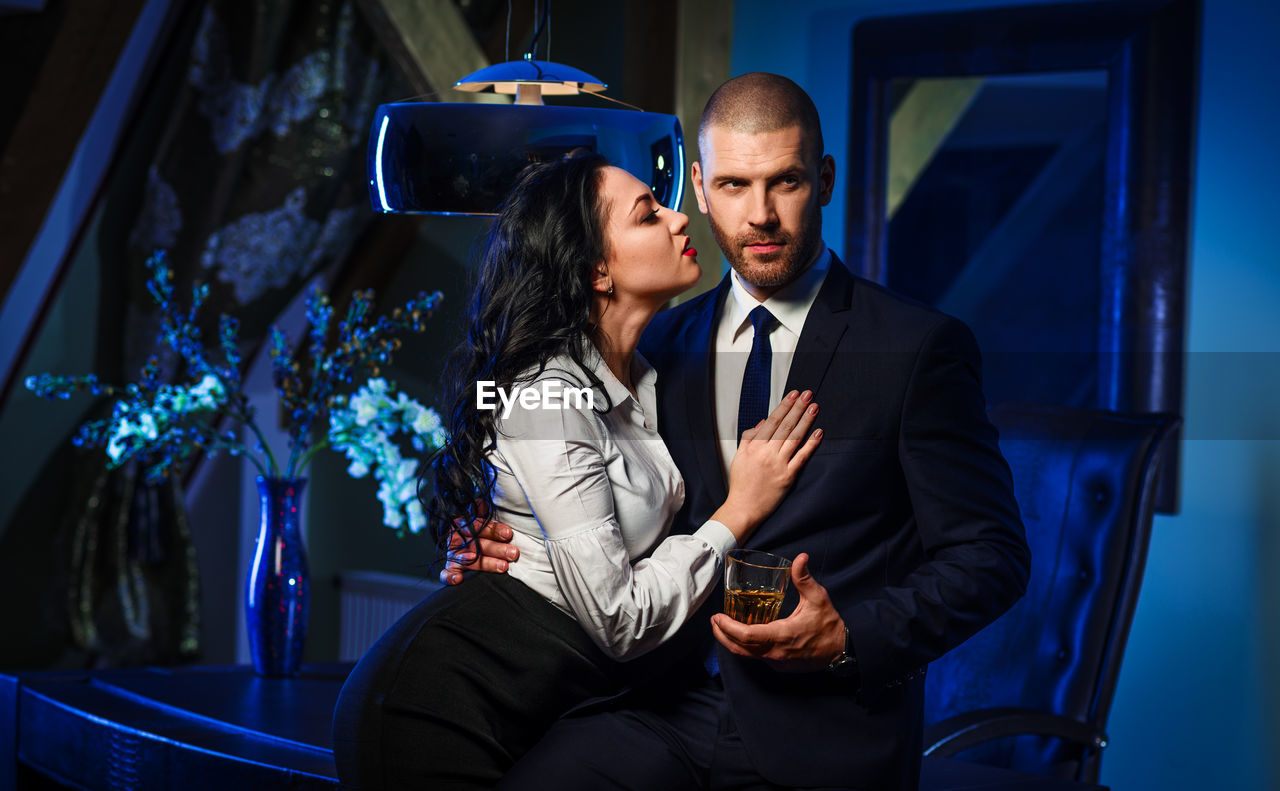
(762, 179)
(763, 102)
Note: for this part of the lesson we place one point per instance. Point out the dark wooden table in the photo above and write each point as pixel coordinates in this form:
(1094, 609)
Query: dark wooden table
(221, 728)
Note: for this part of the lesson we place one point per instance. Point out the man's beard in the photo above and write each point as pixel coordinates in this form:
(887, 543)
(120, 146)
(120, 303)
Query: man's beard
(776, 269)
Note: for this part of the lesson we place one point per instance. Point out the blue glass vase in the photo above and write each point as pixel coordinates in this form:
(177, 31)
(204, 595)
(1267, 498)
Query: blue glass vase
(278, 598)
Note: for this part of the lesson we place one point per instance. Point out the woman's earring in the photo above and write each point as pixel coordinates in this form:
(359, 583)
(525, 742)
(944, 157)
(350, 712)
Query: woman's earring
(610, 289)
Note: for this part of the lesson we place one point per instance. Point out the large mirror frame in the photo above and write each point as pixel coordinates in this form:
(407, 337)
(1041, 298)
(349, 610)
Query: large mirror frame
(1149, 49)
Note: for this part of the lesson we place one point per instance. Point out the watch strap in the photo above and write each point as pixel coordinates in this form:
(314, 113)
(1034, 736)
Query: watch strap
(846, 663)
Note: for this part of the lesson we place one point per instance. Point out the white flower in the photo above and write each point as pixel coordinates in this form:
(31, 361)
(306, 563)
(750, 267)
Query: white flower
(417, 519)
(392, 518)
(147, 426)
(172, 399)
(385, 494)
(407, 480)
(366, 410)
(408, 470)
(366, 427)
(128, 423)
(339, 420)
(425, 422)
(389, 456)
(408, 410)
(209, 393)
(116, 446)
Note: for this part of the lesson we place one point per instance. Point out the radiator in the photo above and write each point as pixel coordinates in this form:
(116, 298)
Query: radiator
(370, 602)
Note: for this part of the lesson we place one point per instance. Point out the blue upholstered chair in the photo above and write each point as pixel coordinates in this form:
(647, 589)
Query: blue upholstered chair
(1032, 691)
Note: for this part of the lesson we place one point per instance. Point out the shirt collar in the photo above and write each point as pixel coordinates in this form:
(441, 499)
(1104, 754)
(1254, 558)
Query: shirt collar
(643, 377)
(790, 305)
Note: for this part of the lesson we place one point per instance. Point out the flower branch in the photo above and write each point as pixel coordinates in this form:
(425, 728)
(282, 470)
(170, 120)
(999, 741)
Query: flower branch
(165, 425)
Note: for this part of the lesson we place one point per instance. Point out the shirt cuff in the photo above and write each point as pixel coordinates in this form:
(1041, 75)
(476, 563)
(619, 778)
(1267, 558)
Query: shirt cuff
(718, 536)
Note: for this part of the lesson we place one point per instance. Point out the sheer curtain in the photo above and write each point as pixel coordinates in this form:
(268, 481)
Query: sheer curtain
(246, 163)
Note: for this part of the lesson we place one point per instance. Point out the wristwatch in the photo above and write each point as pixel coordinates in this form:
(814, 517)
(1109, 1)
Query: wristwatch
(845, 665)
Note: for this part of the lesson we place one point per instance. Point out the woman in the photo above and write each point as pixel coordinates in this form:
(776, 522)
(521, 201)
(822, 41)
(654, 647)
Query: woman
(579, 260)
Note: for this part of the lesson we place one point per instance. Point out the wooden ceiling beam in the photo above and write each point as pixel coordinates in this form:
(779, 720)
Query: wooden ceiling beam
(919, 127)
(430, 43)
(73, 74)
(703, 37)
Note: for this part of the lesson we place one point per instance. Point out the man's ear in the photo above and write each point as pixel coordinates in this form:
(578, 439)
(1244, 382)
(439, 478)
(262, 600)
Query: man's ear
(826, 179)
(695, 175)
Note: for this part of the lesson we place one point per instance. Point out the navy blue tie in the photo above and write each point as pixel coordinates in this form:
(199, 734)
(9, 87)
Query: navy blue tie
(753, 403)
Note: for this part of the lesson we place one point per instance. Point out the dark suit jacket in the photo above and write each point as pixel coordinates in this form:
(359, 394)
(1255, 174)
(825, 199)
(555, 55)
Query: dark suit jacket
(906, 510)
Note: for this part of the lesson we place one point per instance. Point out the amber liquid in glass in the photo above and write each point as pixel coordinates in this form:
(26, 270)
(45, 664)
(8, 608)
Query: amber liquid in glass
(751, 607)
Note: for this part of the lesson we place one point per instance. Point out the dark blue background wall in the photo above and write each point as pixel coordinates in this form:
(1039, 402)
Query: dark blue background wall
(1197, 702)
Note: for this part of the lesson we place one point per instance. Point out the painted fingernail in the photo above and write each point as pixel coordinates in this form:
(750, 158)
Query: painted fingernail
(792, 395)
(813, 409)
(817, 434)
(806, 395)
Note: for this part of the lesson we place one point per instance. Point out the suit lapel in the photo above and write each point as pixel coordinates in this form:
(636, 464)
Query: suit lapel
(823, 328)
(700, 394)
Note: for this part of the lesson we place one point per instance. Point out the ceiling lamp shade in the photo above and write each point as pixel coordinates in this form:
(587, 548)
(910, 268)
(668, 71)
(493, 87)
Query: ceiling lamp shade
(530, 79)
(438, 158)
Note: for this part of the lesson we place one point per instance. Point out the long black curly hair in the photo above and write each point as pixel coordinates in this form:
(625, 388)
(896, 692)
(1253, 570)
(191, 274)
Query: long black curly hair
(532, 301)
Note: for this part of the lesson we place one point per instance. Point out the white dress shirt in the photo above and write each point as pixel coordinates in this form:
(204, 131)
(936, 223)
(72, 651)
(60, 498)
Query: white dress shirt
(590, 496)
(734, 334)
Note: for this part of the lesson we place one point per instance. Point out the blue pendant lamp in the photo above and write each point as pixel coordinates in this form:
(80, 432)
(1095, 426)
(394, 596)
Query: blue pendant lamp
(444, 158)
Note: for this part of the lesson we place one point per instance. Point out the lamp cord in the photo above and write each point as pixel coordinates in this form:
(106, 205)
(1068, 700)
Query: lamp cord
(542, 23)
(611, 99)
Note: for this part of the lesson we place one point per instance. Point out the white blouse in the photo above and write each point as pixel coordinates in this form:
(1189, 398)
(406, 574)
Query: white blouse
(590, 495)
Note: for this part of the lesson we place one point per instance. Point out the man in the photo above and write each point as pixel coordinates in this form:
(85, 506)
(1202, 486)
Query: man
(903, 526)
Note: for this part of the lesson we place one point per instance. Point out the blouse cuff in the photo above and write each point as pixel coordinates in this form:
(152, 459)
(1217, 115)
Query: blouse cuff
(719, 537)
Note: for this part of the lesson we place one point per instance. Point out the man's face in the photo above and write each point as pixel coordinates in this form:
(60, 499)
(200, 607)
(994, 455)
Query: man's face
(762, 193)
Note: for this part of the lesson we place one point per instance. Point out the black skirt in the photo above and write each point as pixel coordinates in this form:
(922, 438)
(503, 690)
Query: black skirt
(462, 686)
